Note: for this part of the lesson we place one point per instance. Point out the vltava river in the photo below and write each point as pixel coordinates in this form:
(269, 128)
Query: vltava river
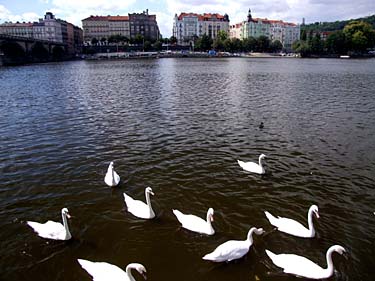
(179, 126)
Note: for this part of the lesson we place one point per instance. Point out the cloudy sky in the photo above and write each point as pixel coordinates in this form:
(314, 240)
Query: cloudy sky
(288, 10)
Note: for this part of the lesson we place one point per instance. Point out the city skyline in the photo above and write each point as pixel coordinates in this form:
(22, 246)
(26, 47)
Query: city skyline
(287, 10)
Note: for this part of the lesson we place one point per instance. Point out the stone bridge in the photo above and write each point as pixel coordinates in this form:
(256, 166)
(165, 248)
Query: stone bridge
(27, 45)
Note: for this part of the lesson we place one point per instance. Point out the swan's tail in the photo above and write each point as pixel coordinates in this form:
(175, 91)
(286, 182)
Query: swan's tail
(177, 213)
(209, 257)
(34, 225)
(241, 163)
(271, 255)
(87, 265)
(271, 218)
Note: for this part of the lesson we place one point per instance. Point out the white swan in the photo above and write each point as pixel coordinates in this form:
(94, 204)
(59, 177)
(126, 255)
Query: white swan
(139, 208)
(102, 271)
(294, 227)
(196, 224)
(111, 177)
(301, 266)
(253, 167)
(233, 249)
(53, 230)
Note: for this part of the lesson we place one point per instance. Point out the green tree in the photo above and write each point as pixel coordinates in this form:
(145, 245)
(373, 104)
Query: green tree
(237, 45)
(249, 44)
(158, 45)
(222, 35)
(263, 43)
(276, 46)
(218, 44)
(94, 41)
(301, 47)
(203, 43)
(360, 35)
(173, 40)
(316, 45)
(336, 43)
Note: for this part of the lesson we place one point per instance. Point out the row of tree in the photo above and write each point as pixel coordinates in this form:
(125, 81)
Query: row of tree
(357, 37)
(225, 44)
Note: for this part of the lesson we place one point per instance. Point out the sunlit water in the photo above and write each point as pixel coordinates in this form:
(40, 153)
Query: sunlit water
(179, 126)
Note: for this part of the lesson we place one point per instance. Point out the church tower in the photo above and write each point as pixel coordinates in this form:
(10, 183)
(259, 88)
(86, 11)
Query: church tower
(249, 17)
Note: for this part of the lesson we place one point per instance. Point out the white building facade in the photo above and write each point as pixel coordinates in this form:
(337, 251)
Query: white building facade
(188, 26)
(285, 32)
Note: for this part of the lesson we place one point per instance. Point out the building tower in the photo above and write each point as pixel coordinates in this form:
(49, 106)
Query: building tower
(249, 17)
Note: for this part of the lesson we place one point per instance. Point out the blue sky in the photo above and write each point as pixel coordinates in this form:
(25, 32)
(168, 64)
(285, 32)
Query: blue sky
(288, 10)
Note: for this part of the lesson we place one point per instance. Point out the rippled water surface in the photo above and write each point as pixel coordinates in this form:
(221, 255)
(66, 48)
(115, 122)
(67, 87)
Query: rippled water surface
(179, 126)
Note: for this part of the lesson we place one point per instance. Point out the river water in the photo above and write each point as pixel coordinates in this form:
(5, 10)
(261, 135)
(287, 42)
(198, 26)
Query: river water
(179, 126)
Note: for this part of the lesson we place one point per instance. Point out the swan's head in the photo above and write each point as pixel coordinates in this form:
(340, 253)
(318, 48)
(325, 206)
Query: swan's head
(149, 190)
(258, 231)
(210, 214)
(315, 210)
(337, 248)
(140, 268)
(262, 156)
(111, 165)
(65, 212)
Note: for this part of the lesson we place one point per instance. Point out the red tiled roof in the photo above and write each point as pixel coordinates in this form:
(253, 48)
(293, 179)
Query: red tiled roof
(200, 17)
(118, 18)
(96, 18)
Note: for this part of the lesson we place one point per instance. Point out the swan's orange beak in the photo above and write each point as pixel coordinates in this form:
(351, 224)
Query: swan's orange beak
(68, 216)
(317, 214)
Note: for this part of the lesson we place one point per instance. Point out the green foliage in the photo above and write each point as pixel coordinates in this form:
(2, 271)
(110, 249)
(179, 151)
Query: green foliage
(250, 44)
(276, 46)
(203, 43)
(173, 40)
(94, 41)
(360, 35)
(158, 45)
(302, 47)
(263, 43)
(336, 43)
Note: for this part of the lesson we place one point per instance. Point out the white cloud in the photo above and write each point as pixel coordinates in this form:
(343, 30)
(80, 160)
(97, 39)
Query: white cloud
(6, 15)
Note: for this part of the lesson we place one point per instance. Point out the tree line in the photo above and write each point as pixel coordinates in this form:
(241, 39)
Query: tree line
(357, 37)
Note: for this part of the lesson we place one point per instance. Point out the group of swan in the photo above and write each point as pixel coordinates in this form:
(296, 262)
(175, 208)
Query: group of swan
(226, 252)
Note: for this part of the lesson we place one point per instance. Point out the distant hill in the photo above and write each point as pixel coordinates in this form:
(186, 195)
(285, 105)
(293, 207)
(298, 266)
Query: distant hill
(337, 25)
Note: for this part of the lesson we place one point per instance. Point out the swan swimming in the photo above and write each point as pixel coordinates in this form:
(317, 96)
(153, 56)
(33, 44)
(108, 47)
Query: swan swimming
(233, 249)
(53, 230)
(139, 208)
(102, 271)
(303, 267)
(294, 227)
(253, 167)
(195, 223)
(111, 177)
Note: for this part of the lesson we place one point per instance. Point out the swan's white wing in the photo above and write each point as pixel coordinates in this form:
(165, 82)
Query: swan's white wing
(297, 265)
(102, 271)
(292, 227)
(108, 178)
(251, 167)
(50, 229)
(228, 251)
(192, 222)
(137, 207)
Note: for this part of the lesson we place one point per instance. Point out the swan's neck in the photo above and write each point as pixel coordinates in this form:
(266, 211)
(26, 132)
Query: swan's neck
(148, 201)
(129, 273)
(329, 269)
(66, 226)
(310, 221)
(113, 176)
(250, 235)
(260, 162)
(208, 219)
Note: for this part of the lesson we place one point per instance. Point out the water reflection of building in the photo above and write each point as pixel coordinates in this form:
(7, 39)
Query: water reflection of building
(285, 32)
(130, 26)
(187, 26)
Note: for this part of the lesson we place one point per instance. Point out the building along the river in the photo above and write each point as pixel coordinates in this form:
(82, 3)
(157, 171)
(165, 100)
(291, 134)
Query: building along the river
(187, 26)
(48, 29)
(103, 27)
(285, 32)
